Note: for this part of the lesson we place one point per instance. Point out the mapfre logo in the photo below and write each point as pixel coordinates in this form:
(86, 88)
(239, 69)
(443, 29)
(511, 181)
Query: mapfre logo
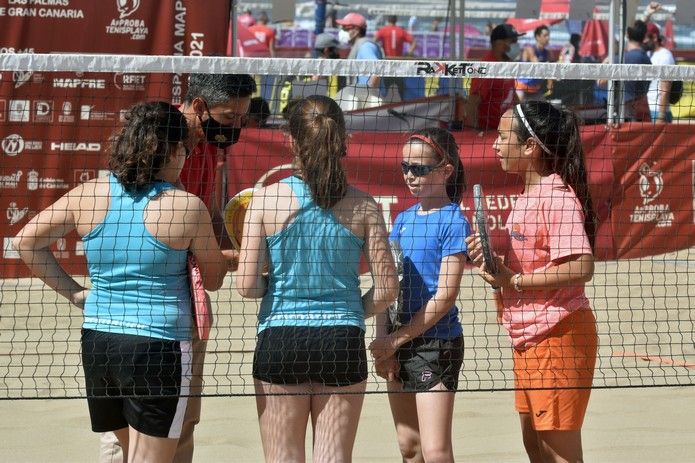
(12, 144)
(127, 7)
(79, 83)
(651, 183)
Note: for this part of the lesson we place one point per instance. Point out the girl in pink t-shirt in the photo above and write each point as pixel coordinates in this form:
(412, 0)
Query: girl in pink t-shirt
(548, 317)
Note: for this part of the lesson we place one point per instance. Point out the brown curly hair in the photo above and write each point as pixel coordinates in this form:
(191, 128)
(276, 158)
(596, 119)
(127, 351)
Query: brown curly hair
(141, 148)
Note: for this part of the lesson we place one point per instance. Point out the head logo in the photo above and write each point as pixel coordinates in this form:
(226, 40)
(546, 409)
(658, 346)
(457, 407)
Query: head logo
(12, 144)
(127, 7)
(651, 183)
(21, 77)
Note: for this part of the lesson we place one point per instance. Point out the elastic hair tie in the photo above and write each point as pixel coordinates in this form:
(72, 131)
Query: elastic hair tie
(520, 112)
(428, 141)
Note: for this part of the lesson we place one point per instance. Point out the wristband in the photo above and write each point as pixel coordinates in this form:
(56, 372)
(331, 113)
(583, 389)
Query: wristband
(516, 279)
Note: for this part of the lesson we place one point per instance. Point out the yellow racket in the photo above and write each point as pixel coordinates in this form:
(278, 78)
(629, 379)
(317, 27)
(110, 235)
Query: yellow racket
(234, 214)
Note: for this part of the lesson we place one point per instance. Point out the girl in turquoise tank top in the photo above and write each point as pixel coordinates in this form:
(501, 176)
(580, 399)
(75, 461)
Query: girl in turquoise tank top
(310, 230)
(138, 229)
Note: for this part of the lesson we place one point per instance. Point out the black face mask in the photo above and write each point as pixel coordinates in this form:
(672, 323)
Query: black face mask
(218, 134)
(333, 54)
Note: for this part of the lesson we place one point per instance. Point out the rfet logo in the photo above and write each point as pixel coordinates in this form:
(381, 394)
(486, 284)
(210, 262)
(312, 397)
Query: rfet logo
(127, 7)
(651, 183)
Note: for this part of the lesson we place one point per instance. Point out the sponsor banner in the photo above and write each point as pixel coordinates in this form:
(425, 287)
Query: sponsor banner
(654, 208)
(56, 124)
(645, 198)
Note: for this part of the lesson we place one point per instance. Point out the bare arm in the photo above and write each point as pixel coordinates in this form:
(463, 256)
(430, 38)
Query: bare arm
(35, 237)
(381, 265)
(250, 281)
(662, 100)
(212, 263)
(436, 308)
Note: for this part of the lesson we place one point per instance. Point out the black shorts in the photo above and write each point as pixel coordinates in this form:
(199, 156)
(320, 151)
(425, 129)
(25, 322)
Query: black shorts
(426, 362)
(331, 355)
(136, 381)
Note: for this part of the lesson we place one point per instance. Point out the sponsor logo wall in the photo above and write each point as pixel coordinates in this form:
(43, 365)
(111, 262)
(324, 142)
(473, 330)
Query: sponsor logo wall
(56, 125)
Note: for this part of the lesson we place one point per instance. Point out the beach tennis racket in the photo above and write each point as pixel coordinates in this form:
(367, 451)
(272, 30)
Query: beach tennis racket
(234, 213)
(202, 315)
(395, 309)
(481, 220)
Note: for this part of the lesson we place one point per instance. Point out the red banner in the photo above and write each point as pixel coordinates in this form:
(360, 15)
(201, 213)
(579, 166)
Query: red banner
(54, 126)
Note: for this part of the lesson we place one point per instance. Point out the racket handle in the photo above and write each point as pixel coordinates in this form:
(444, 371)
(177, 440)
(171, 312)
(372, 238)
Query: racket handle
(499, 303)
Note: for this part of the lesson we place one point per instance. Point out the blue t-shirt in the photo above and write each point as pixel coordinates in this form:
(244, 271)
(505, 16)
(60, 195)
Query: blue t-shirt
(425, 239)
(635, 88)
(368, 50)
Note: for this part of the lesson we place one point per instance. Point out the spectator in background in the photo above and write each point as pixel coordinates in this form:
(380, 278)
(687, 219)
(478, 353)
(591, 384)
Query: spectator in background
(434, 25)
(488, 99)
(412, 23)
(331, 19)
(392, 37)
(659, 90)
(535, 89)
(246, 18)
(326, 47)
(635, 91)
(259, 112)
(354, 31)
(263, 32)
(570, 51)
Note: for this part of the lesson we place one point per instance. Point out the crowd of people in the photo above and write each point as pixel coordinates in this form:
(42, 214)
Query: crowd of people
(303, 238)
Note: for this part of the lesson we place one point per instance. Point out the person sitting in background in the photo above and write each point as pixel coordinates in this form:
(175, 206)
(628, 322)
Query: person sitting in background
(570, 51)
(488, 99)
(535, 89)
(246, 18)
(392, 37)
(263, 32)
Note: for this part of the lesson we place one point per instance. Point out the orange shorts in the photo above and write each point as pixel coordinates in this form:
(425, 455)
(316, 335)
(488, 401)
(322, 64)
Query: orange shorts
(553, 378)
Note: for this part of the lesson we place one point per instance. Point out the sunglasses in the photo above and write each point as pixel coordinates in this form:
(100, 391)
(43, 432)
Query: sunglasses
(418, 170)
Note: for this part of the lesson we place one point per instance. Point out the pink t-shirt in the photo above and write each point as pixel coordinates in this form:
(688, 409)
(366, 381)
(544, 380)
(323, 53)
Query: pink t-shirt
(546, 224)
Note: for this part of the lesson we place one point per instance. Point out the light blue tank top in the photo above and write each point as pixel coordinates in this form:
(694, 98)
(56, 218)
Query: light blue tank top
(139, 284)
(314, 270)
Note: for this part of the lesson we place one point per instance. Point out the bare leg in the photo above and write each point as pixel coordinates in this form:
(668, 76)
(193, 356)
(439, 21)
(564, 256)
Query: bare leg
(283, 420)
(530, 437)
(561, 446)
(335, 414)
(405, 417)
(435, 411)
(150, 449)
(110, 450)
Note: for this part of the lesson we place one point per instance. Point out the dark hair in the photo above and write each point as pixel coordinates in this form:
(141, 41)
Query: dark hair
(445, 148)
(259, 109)
(145, 142)
(637, 32)
(317, 127)
(558, 130)
(393, 19)
(217, 89)
(539, 30)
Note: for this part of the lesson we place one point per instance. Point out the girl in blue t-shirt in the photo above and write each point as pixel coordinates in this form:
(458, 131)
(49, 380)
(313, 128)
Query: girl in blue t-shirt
(420, 347)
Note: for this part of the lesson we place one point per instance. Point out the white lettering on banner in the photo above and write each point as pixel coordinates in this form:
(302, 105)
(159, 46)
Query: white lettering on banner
(651, 185)
(39, 2)
(65, 146)
(179, 31)
(3, 110)
(127, 7)
(13, 144)
(385, 203)
(87, 113)
(12, 49)
(83, 175)
(129, 82)
(15, 214)
(10, 181)
(495, 203)
(66, 113)
(135, 28)
(79, 248)
(197, 44)
(34, 182)
(8, 251)
(79, 83)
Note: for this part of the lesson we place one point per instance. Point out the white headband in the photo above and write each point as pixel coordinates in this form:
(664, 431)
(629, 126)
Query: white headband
(530, 130)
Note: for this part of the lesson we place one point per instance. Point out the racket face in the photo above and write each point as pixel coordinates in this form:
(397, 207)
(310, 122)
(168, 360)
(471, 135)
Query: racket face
(234, 214)
(483, 228)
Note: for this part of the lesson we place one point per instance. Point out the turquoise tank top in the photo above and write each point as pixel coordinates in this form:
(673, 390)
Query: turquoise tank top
(140, 285)
(314, 270)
